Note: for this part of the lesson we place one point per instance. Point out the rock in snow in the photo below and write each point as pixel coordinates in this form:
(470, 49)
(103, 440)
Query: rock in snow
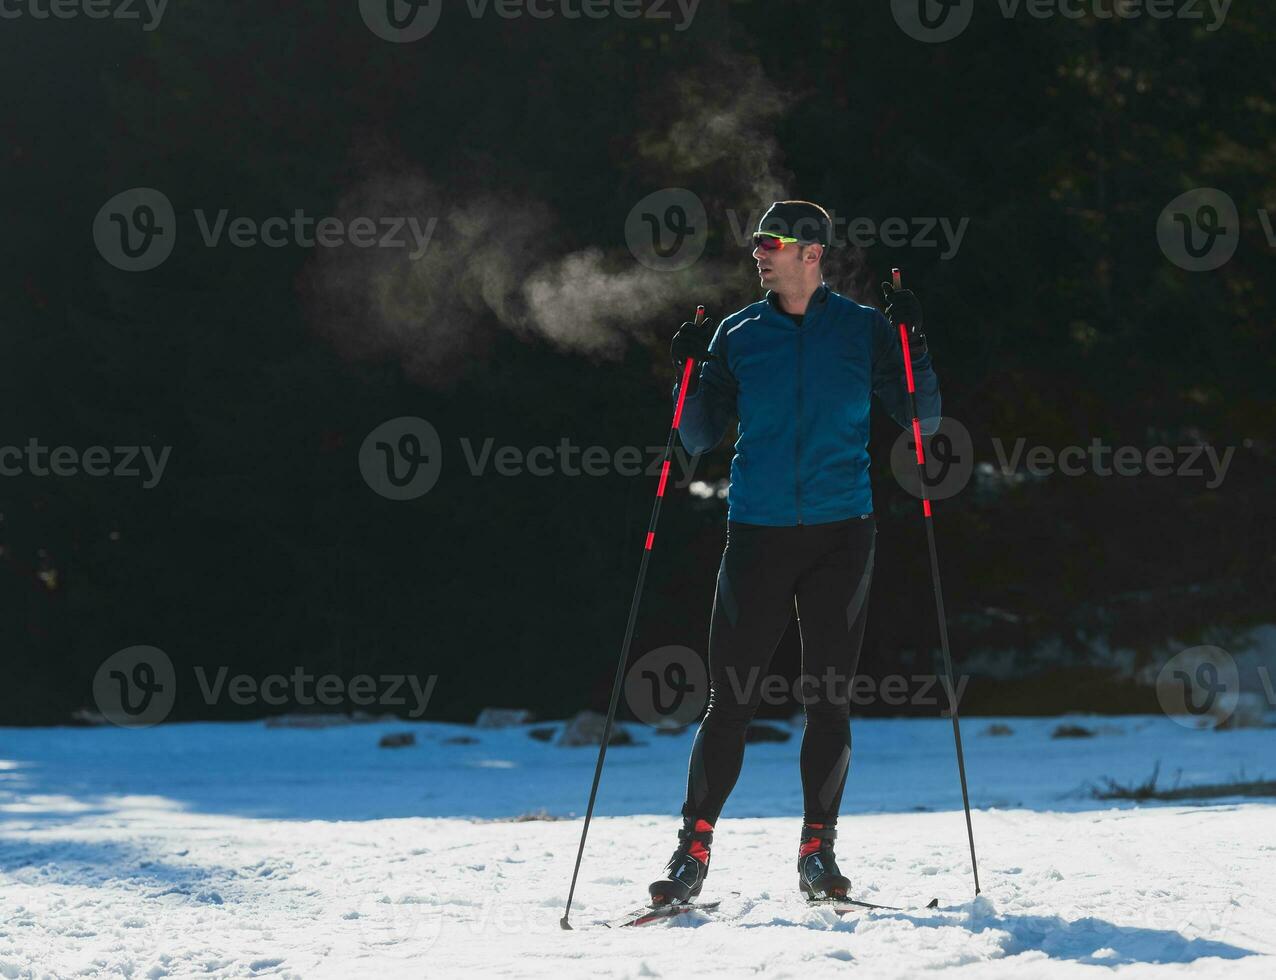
(397, 740)
(503, 717)
(587, 729)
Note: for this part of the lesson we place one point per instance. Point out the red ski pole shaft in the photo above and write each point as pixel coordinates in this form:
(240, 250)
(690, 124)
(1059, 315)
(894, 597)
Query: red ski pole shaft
(619, 681)
(928, 517)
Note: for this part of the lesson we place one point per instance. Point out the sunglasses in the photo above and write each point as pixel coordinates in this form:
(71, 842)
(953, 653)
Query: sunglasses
(771, 243)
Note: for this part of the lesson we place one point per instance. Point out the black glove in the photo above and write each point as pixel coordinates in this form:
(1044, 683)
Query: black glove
(692, 341)
(903, 306)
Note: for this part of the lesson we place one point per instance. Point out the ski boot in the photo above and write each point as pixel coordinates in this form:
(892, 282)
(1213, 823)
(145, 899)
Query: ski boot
(818, 874)
(686, 870)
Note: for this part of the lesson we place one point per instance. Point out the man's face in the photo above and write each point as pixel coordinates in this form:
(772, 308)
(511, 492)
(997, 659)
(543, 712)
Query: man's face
(781, 268)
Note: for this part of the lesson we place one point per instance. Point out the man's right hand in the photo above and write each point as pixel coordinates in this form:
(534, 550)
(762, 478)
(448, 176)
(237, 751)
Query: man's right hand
(692, 341)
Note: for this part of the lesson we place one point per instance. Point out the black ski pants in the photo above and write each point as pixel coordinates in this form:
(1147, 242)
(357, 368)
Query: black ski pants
(824, 570)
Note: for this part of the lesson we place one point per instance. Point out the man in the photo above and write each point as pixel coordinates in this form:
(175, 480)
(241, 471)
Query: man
(797, 369)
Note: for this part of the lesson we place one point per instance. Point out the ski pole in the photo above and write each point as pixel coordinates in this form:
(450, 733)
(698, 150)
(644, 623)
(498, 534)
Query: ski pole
(629, 628)
(897, 282)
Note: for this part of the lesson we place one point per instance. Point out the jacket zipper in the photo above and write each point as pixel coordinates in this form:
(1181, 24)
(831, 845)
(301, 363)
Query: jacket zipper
(797, 441)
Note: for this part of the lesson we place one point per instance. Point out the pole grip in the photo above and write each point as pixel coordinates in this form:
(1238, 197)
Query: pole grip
(897, 282)
(682, 392)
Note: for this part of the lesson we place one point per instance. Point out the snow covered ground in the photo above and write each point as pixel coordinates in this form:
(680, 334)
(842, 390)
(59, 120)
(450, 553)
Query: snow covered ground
(228, 850)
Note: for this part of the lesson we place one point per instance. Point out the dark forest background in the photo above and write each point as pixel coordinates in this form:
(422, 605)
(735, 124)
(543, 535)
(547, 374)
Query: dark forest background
(1058, 320)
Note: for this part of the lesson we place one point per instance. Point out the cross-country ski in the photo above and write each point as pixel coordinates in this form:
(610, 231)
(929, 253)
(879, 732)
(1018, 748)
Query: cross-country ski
(648, 914)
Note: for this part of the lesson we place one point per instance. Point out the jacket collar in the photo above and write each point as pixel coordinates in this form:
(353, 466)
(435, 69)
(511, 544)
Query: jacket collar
(819, 300)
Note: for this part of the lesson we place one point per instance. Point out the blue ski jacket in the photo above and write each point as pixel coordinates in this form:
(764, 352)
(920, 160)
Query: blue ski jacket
(801, 394)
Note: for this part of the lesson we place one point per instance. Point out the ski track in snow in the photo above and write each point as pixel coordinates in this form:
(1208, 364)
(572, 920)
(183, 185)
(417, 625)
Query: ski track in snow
(228, 874)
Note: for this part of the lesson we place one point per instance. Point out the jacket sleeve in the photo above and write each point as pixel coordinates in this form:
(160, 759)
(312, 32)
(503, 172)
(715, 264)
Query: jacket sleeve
(711, 402)
(891, 385)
